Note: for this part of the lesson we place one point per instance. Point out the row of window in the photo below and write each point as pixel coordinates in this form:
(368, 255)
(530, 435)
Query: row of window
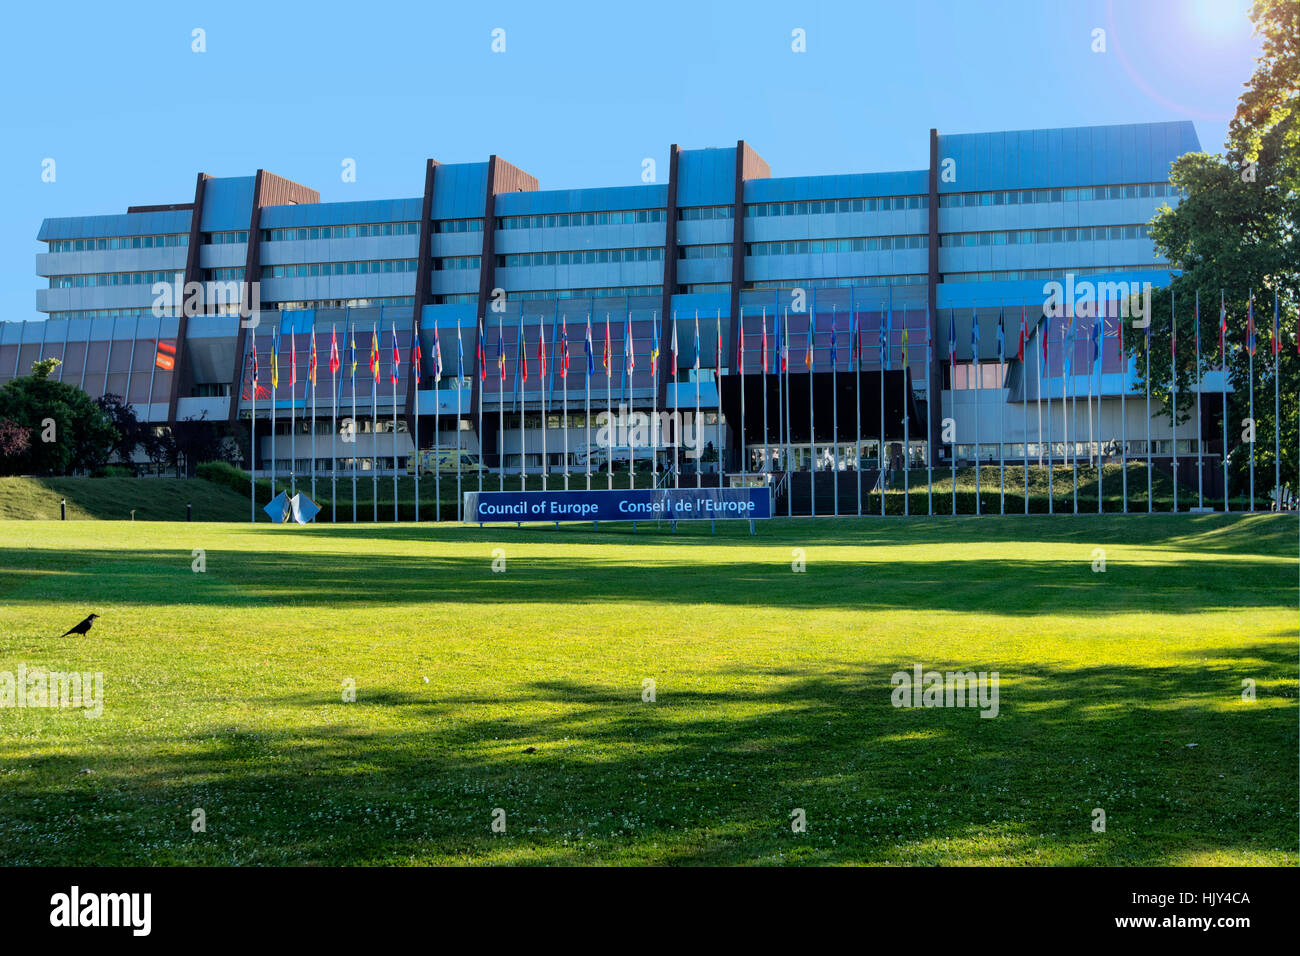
(226, 274)
(365, 267)
(623, 217)
(119, 242)
(1025, 197)
(867, 244)
(580, 257)
(842, 282)
(610, 292)
(819, 207)
(458, 225)
(225, 238)
(363, 303)
(698, 213)
(113, 278)
(719, 250)
(134, 313)
(704, 288)
(1013, 275)
(458, 262)
(354, 231)
(1028, 237)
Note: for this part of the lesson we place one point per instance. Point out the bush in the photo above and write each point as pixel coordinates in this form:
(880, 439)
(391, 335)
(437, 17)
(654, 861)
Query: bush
(113, 471)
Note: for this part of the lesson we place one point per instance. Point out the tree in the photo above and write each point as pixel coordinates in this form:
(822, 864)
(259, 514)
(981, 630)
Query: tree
(14, 444)
(196, 440)
(67, 431)
(1235, 232)
(131, 434)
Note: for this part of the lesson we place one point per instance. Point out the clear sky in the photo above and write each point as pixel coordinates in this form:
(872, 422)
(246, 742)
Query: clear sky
(582, 94)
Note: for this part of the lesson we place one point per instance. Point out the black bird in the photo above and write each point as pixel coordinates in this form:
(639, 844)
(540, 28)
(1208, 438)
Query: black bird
(81, 628)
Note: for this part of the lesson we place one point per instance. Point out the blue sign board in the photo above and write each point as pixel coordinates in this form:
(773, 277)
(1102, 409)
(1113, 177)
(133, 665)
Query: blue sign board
(627, 504)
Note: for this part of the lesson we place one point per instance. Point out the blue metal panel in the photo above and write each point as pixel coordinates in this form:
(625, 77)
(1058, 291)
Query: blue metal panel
(341, 213)
(125, 224)
(459, 190)
(541, 202)
(849, 186)
(227, 204)
(706, 177)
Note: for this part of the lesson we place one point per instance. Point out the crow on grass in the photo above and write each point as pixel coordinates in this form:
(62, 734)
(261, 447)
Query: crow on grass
(81, 628)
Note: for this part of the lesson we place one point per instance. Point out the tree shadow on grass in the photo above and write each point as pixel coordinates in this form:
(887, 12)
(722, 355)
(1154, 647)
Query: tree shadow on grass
(1179, 763)
(877, 581)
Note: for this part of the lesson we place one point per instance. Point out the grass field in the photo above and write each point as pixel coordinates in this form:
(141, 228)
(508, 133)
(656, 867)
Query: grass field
(522, 690)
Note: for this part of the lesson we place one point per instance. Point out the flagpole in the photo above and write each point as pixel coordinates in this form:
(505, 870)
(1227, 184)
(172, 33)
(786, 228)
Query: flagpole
(521, 362)
(437, 418)
(275, 389)
(1002, 418)
(374, 422)
(1043, 354)
(609, 401)
(1099, 329)
(1148, 384)
(501, 404)
(952, 387)
(417, 359)
(654, 399)
(629, 366)
(1277, 425)
(588, 348)
(393, 376)
(717, 388)
(855, 349)
(293, 410)
(1200, 480)
(1173, 390)
(460, 382)
(1024, 378)
(334, 424)
(740, 363)
(767, 461)
(564, 397)
(785, 362)
(884, 334)
(835, 413)
(543, 380)
(482, 394)
(1223, 362)
(1123, 416)
(347, 322)
(677, 412)
(699, 426)
(252, 441)
(1250, 335)
(312, 363)
(978, 369)
(907, 424)
(1074, 404)
(930, 319)
(811, 362)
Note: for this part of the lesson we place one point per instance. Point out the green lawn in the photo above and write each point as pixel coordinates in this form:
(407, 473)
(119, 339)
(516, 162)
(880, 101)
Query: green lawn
(113, 499)
(1119, 690)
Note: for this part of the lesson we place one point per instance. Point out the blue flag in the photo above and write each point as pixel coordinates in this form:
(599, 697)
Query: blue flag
(1002, 338)
(591, 353)
(1096, 339)
(952, 336)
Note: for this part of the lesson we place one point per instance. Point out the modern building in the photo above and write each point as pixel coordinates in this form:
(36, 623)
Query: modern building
(484, 255)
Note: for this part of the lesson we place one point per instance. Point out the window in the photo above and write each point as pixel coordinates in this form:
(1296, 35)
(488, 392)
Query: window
(119, 242)
(352, 231)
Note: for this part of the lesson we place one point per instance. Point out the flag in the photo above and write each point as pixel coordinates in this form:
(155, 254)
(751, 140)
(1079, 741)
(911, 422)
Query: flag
(674, 346)
(696, 364)
(812, 339)
(397, 358)
(437, 356)
(1097, 323)
(460, 357)
(354, 359)
(902, 352)
(1277, 337)
(784, 344)
(764, 351)
(834, 344)
(254, 365)
(1024, 336)
(855, 345)
(629, 350)
(501, 355)
(311, 361)
(717, 374)
(541, 357)
(334, 352)
(952, 337)
(275, 360)
(564, 347)
(883, 334)
(974, 336)
(589, 349)
(654, 349)
(374, 354)
(417, 357)
(1002, 338)
(605, 356)
(521, 367)
(293, 361)
(480, 352)
(1250, 325)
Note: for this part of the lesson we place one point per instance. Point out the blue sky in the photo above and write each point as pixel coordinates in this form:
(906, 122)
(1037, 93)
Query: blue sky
(581, 95)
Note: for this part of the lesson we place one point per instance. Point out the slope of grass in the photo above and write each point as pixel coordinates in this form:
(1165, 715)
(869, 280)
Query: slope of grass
(522, 690)
(152, 499)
